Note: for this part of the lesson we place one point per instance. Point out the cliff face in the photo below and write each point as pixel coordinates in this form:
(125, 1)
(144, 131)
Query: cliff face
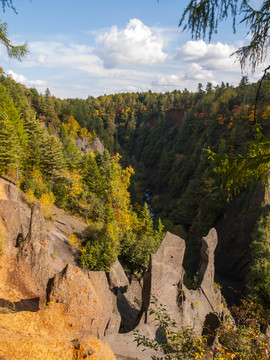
(50, 308)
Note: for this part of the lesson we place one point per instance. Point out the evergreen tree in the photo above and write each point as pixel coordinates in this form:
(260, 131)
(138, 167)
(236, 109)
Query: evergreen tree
(9, 145)
(52, 160)
(36, 134)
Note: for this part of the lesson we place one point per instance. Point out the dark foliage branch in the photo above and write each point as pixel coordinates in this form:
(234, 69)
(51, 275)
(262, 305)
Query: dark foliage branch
(9, 4)
(258, 22)
(17, 52)
(14, 51)
(202, 17)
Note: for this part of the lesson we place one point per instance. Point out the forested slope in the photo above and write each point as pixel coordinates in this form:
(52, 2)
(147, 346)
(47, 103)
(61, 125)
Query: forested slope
(162, 137)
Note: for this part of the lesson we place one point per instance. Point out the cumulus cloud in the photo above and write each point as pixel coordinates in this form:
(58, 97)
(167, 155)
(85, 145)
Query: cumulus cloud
(134, 45)
(168, 80)
(22, 79)
(197, 72)
(212, 56)
(17, 77)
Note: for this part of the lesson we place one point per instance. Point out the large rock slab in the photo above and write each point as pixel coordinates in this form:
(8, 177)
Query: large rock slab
(164, 276)
(85, 297)
(117, 278)
(34, 249)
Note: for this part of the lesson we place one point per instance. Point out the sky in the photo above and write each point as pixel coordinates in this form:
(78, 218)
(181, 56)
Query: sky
(89, 48)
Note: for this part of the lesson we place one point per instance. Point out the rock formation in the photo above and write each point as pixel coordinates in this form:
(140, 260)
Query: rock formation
(86, 299)
(96, 145)
(34, 272)
(164, 282)
(50, 308)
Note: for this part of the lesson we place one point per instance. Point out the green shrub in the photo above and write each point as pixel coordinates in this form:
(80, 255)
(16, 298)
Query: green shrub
(100, 249)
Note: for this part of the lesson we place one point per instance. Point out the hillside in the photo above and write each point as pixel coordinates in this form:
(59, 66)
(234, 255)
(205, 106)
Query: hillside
(82, 169)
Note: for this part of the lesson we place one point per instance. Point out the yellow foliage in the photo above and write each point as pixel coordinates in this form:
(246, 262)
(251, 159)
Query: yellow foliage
(30, 197)
(266, 113)
(83, 132)
(47, 201)
(73, 125)
(74, 240)
(220, 119)
(38, 179)
(75, 186)
(251, 116)
(120, 196)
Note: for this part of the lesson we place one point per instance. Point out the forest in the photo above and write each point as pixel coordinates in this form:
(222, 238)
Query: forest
(158, 143)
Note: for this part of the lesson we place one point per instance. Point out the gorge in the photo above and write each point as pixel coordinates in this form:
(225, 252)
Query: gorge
(81, 254)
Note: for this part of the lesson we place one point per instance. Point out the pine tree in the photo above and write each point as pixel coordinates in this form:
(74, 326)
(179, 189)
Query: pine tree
(9, 145)
(52, 161)
(36, 137)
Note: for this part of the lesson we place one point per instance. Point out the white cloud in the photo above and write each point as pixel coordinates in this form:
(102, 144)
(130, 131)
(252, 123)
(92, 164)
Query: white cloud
(134, 45)
(41, 59)
(38, 82)
(22, 79)
(197, 72)
(212, 56)
(17, 77)
(192, 50)
(53, 54)
(168, 80)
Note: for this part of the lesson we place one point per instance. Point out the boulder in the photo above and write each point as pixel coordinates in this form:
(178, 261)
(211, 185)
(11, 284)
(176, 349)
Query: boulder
(117, 278)
(85, 298)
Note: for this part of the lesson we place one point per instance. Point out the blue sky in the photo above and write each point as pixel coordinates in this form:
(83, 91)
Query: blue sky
(85, 47)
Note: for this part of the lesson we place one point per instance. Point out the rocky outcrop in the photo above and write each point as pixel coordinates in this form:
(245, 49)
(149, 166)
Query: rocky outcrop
(164, 276)
(34, 250)
(34, 272)
(96, 145)
(62, 310)
(197, 305)
(117, 278)
(86, 299)
(164, 282)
